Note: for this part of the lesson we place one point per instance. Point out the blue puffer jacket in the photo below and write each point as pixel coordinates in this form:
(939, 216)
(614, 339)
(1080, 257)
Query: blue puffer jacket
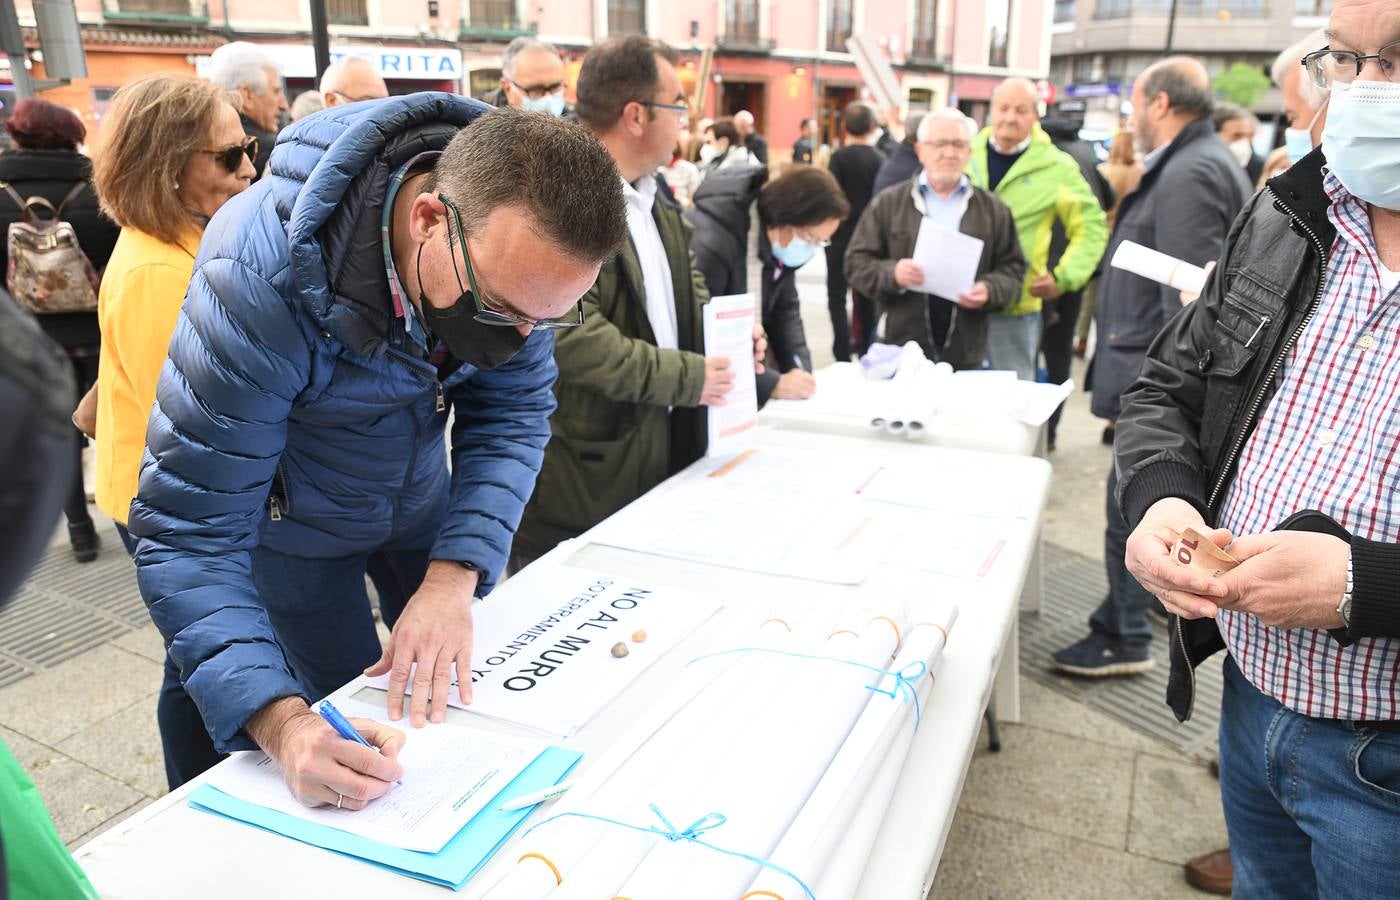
(293, 410)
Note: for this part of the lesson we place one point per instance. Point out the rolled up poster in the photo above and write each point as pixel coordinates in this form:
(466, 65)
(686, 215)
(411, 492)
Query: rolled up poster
(1159, 267)
(775, 761)
(828, 834)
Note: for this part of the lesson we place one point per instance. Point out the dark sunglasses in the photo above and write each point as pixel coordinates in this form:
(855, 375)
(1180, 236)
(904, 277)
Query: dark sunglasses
(232, 157)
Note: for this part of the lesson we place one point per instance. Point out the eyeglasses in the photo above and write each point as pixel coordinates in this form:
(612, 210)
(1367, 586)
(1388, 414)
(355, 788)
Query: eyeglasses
(494, 312)
(232, 157)
(348, 99)
(679, 109)
(947, 145)
(809, 238)
(539, 91)
(1327, 67)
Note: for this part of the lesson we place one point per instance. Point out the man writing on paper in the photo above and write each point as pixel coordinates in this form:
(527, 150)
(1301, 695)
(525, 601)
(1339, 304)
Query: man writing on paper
(1286, 438)
(1014, 158)
(297, 441)
(634, 380)
(879, 261)
(1191, 190)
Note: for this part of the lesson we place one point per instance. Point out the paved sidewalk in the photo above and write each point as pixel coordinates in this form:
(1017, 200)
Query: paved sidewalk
(1076, 805)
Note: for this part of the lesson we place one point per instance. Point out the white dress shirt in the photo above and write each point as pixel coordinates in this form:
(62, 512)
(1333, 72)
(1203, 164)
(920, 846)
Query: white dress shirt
(651, 254)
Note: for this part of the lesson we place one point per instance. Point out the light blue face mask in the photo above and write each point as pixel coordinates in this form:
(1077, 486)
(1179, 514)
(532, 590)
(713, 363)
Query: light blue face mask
(1298, 141)
(796, 254)
(549, 103)
(1362, 141)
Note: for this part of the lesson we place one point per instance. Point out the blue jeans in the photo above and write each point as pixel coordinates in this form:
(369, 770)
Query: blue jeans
(319, 609)
(1123, 613)
(1312, 805)
(1013, 343)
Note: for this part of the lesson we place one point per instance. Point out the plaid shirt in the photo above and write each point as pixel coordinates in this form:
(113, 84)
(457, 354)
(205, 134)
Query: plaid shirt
(1328, 440)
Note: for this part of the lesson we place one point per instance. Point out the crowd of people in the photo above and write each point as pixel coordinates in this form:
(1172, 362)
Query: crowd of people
(284, 349)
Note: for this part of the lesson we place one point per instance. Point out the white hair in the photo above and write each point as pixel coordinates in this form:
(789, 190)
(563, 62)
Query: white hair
(1017, 81)
(947, 114)
(520, 45)
(1290, 60)
(241, 64)
(744, 116)
(330, 79)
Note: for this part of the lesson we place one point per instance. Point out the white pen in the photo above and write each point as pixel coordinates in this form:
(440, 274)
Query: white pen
(534, 798)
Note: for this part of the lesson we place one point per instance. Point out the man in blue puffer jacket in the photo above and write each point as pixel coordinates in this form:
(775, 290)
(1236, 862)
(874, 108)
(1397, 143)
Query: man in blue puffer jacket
(297, 441)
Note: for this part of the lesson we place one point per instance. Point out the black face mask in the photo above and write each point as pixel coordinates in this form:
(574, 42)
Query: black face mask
(475, 343)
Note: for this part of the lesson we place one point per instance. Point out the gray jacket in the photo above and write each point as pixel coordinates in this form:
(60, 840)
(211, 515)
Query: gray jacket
(1183, 208)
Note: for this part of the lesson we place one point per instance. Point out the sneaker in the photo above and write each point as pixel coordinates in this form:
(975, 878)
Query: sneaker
(1097, 656)
(84, 540)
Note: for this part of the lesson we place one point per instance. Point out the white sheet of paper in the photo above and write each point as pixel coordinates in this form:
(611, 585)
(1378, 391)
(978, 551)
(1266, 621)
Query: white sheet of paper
(1036, 402)
(1159, 267)
(450, 773)
(948, 259)
(729, 323)
(719, 515)
(542, 644)
(963, 546)
(909, 486)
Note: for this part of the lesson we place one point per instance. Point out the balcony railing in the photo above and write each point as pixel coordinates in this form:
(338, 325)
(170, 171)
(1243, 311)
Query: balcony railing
(346, 12)
(182, 11)
(838, 25)
(741, 27)
(494, 19)
(1196, 9)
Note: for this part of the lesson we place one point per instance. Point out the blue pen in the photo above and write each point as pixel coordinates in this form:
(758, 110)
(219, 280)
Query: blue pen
(343, 727)
(798, 361)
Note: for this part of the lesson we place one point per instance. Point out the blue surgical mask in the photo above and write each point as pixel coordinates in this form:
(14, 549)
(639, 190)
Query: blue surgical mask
(549, 103)
(796, 254)
(1362, 141)
(1298, 143)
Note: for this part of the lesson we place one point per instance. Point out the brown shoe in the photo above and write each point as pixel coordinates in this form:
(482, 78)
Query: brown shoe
(1215, 766)
(1212, 872)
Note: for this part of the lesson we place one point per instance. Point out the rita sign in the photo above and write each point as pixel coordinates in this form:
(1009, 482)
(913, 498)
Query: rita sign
(403, 63)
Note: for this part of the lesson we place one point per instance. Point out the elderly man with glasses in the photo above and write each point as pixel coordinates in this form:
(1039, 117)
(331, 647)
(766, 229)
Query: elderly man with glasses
(879, 259)
(634, 380)
(411, 256)
(532, 78)
(351, 80)
(1266, 410)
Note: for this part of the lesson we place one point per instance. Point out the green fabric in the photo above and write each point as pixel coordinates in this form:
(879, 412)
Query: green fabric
(1043, 185)
(614, 435)
(38, 866)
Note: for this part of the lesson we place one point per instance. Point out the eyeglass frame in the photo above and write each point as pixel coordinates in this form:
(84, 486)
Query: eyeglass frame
(348, 99)
(806, 235)
(249, 146)
(546, 91)
(960, 146)
(682, 108)
(485, 314)
(1360, 63)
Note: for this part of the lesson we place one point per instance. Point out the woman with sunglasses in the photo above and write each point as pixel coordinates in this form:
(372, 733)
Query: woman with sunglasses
(172, 152)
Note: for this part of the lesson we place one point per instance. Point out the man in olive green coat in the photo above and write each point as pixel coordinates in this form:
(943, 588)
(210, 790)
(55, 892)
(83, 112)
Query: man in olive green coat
(633, 379)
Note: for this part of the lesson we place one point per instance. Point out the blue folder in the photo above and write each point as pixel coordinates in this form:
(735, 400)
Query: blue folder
(453, 865)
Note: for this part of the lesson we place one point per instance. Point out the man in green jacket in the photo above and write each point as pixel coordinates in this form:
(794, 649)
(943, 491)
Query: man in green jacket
(1042, 184)
(633, 379)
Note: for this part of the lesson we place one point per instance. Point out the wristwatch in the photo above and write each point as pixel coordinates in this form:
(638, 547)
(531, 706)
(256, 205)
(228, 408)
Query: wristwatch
(1344, 607)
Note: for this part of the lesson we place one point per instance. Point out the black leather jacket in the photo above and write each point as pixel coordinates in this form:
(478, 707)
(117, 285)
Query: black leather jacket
(1206, 380)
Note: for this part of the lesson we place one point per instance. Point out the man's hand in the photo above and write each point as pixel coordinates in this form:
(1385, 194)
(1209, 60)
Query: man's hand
(975, 297)
(1181, 589)
(719, 381)
(85, 416)
(760, 348)
(320, 767)
(434, 631)
(795, 385)
(1045, 287)
(1289, 579)
(907, 274)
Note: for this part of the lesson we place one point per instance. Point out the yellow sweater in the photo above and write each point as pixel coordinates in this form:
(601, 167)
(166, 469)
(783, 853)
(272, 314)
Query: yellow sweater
(143, 290)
